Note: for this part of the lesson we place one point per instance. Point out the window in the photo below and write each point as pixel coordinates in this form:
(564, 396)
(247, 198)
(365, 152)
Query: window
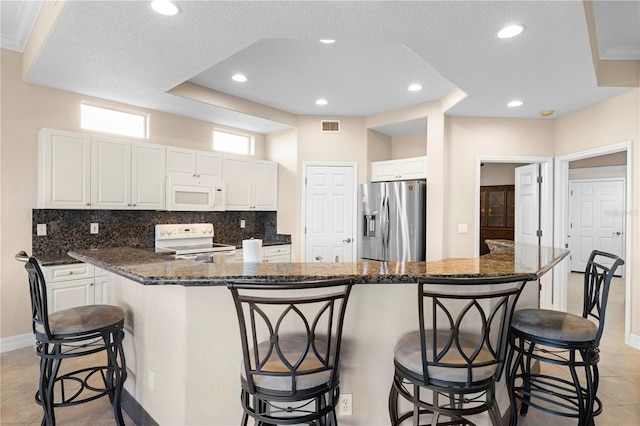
(232, 143)
(112, 121)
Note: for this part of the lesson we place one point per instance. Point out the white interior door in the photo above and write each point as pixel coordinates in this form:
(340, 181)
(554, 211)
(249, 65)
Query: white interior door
(527, 204)
(329, 213)
(596, 211)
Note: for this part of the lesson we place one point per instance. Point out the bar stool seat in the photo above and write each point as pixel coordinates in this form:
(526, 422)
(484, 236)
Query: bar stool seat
(567, 341)
(73, 333)
(82, 319)
(554, 325)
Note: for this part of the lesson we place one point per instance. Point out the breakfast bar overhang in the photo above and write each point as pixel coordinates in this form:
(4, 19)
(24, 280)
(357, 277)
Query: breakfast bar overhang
(182, 343)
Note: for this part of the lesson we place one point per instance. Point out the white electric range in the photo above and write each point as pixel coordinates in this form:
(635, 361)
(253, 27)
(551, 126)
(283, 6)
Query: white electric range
(190, 241)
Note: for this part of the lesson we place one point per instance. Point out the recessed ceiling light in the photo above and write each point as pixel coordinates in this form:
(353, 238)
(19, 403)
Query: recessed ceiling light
(510, 31)
(415, 87)
(321, 102)
(164, 7)
(327, 41)
(515, 103)
(240, 78)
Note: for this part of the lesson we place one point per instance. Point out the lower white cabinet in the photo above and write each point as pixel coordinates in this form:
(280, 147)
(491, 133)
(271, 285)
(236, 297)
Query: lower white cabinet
(272, 254)
(76, 284)
(276, 254)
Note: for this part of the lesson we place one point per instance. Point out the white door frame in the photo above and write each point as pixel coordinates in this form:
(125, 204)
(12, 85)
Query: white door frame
(356, 204)
(561, 220)
(546, 215)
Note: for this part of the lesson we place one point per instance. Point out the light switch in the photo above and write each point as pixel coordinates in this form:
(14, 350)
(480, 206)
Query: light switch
(462, 228)
(242, 223)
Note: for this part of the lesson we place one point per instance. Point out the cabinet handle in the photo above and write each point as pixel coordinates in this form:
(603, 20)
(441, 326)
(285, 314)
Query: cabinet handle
(91, 284)
(88, 204)
(70, 272)
(194, 175)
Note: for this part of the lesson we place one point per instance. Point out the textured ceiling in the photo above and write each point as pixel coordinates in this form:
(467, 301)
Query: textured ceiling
(122, 51)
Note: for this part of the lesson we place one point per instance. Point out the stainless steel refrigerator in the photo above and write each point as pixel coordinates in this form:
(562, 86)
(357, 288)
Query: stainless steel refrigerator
(393, 221)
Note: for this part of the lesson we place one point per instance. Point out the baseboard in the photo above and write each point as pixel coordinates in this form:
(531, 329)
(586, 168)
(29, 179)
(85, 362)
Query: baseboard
(634, 340)
(17, 342)
(138, 414)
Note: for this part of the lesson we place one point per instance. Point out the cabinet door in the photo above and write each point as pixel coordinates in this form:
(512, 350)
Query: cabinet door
(110, 173)
(64, 164)
(238, 178)
(148, 162)
(384, 171)
(181, 162)
(209, 165)
(265, 185)
(412, 168)
(69, 294)
(101, 289)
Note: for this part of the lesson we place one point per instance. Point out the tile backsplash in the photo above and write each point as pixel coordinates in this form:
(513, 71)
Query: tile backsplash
(69, 229)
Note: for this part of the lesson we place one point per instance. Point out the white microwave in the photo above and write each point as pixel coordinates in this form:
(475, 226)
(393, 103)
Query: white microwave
(195, 194)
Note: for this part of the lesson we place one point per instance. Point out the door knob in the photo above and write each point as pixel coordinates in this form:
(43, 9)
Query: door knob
(348, 240)
(616, 233)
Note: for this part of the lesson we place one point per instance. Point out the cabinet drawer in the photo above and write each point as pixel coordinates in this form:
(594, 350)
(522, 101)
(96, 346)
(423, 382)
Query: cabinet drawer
(276, 250)
(277, 259)
(74, 271)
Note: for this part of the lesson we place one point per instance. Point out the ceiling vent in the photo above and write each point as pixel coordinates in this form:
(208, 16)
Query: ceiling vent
(330, 126)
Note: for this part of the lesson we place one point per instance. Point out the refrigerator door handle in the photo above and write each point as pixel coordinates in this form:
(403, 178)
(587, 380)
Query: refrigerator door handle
(385, 232)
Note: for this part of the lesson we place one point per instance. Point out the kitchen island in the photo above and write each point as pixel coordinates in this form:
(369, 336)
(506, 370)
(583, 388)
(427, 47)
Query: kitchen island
(182, 340)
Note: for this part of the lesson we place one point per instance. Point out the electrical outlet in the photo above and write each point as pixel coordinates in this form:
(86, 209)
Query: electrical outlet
(41, 229)
(345, 405)
(94, 228)
(242, 223)
(152, 380)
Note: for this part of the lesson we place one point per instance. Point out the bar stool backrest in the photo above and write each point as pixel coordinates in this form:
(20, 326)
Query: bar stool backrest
(597, 282)
(464, 325)
(38, 292)
(268, 313)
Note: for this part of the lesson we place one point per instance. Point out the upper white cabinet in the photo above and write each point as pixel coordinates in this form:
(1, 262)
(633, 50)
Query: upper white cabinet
(251, 184)
(80, 171)
(148, 162)
(402, 169)
(127, 174)
(64, 173)
(189, 163)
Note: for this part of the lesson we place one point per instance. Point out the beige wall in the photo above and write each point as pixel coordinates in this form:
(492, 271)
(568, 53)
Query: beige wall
(378, 149)
(411, 145)
(472, 137)
(614, 121)
(25, 109)
(498, 174)
(282, 147)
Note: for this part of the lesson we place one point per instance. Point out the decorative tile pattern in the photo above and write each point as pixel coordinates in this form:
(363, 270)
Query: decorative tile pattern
(69, 229)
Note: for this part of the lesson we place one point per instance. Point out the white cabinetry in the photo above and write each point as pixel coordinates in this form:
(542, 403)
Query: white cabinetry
(64, 175)
(76, 284)
(276, 254)
(270, 254)
(80, 171)
(251, 184)
(402, 169)
(185, 163)
(127, 174)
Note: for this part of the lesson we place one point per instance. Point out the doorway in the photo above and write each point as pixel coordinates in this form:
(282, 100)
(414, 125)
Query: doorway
(562, 222)
(545, 209)
(329, 219)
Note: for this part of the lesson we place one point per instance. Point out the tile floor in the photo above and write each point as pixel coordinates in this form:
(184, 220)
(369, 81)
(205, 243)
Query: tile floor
(619, 379)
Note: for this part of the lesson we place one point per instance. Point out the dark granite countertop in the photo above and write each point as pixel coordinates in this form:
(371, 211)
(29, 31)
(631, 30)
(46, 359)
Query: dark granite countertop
(145, 266)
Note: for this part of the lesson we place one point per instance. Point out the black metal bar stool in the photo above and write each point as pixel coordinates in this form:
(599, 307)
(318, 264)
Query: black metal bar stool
(291, 336)
(566, 340)
(448, 368)
(72, 333)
